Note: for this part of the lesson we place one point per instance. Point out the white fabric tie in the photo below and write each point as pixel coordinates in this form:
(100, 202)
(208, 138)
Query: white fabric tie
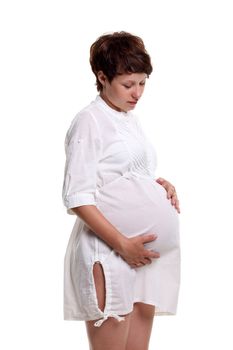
(117, 317)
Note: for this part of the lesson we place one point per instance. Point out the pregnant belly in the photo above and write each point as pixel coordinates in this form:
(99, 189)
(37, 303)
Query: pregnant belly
(138, 206)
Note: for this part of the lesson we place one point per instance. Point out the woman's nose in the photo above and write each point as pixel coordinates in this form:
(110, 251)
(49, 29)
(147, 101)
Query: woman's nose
(137, 92)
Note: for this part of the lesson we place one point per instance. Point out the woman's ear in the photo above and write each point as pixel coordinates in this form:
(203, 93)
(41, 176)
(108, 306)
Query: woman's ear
(102, 78)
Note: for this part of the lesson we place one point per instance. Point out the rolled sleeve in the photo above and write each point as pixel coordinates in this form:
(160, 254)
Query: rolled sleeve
(83, 147)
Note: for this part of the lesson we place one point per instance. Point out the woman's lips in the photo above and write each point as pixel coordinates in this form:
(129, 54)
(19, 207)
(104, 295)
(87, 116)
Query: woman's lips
(132, 102)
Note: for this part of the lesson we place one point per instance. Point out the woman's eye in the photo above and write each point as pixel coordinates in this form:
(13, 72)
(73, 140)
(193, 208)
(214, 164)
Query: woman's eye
(129, 86)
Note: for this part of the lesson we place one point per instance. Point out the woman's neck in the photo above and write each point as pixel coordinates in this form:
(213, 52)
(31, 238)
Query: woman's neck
(109, 103)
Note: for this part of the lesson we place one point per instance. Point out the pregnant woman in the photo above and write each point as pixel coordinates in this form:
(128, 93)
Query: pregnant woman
(122, 262)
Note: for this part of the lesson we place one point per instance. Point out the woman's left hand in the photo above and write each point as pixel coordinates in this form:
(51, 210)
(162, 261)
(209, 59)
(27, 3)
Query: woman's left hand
(171, 192)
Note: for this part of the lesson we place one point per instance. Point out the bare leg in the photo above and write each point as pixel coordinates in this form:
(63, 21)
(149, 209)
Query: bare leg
(112, 334)
(141, 323)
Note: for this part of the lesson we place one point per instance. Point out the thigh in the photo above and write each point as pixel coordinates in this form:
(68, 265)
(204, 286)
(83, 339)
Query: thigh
(112, 334)
(141, 322)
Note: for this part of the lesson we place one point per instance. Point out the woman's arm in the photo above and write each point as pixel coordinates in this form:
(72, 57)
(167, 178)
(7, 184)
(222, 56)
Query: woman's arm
(131, 250)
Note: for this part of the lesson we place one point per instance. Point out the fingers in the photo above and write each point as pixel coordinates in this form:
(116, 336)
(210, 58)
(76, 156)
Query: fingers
(171, 192)
(148, 238)
(175, 201)
(137, 255)
(137, 265)
(176, 204)
(152, 254)
(167, 185)
(145, 258)
(160, 180)
(142, 262)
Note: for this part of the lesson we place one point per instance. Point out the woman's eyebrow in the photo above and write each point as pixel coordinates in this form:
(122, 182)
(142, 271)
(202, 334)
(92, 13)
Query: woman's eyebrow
(133, 81)
(128, 81)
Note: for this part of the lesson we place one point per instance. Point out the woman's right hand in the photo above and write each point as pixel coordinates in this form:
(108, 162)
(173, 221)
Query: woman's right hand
(133, 250)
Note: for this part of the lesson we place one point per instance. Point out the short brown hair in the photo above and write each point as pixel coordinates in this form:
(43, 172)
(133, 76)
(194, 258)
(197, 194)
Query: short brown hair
(119, 53)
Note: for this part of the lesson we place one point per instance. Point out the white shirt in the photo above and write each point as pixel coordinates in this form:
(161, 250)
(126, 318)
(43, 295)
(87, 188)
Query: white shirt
(102, 144)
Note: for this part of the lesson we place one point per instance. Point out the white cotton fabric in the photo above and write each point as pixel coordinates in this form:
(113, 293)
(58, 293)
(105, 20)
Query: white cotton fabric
(110, 163)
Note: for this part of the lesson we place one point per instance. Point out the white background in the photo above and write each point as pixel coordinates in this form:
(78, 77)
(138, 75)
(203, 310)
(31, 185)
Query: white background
(186, 109)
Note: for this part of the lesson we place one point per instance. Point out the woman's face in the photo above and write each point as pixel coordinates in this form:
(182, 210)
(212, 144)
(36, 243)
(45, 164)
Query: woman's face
(124, 91)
